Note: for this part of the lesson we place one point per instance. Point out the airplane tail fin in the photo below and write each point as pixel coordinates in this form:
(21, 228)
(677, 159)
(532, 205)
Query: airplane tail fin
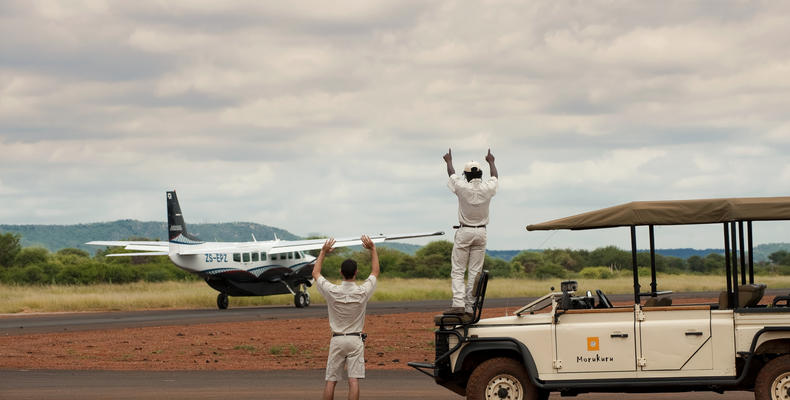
(176, 227)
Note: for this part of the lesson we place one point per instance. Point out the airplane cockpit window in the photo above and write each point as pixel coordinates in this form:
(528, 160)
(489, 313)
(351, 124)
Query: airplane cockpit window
(246, 257)
(255, 256)
(237, 257)
(263, 256)
(290, 255)
(298, 254)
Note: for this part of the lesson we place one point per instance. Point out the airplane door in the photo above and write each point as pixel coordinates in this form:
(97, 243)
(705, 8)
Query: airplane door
(597, 340)
(677, 337)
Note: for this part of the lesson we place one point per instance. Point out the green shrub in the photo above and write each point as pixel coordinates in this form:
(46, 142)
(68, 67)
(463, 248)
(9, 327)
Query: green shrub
(69, 275)
(156, 275)
(114, 273)
(31, 255)
(550, 270)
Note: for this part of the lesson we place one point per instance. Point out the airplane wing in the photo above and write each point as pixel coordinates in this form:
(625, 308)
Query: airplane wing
(146, 246)
(315, 244)
(152, 248)
(147, 253)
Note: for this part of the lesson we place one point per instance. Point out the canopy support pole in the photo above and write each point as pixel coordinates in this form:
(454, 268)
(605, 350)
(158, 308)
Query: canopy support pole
(751, 252)
(653, 285)
(633, 263)
(734, 258)
(743, 252)
(728, 266)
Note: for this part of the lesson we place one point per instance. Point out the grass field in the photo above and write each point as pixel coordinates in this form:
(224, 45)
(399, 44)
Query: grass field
(141, 295)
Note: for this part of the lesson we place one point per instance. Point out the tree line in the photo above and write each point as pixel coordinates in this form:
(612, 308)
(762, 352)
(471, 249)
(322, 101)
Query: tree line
(70, 266)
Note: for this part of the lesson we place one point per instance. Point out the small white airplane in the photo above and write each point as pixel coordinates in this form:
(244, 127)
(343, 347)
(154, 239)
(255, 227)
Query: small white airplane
(257, 268)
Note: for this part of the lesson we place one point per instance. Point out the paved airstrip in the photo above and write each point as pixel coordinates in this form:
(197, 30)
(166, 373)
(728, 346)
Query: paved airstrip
(240, 385)
(22, 384)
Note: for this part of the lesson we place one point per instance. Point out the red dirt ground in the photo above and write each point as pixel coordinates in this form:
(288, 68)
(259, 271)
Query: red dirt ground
(393, 340)
(260, 345)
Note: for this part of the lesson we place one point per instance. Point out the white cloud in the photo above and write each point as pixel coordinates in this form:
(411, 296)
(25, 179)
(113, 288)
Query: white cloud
(614, 167)
(281, 112)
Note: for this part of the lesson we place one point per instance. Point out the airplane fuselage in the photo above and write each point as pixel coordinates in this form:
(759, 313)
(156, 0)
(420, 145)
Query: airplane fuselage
(255, 259)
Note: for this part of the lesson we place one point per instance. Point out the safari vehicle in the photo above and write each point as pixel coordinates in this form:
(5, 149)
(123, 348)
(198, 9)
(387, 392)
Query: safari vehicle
(576, 343)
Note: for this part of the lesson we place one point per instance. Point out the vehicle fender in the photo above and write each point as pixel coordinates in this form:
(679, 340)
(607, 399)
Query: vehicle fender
(506, 344)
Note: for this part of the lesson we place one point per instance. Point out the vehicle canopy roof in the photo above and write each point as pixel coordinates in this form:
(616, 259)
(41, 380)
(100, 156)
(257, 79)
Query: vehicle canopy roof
(675, 212)
(731, 212)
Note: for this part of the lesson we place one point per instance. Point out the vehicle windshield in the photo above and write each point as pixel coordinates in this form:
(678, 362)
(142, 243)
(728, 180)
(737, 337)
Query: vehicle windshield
(537, 305)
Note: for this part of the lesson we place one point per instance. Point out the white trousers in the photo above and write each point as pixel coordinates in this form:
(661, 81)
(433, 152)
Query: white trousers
(469, 250)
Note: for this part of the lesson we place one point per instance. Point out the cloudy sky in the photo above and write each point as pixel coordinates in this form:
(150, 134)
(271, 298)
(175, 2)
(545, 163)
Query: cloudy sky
(333, 117)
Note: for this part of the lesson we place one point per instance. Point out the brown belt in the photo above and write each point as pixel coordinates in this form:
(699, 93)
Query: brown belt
(468, 226)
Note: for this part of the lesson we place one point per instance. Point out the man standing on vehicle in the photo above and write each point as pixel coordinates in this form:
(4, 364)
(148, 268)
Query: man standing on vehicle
(346, 304)
(474, 196)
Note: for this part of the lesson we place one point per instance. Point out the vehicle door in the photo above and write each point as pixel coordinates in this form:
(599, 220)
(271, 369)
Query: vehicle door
(675, 337)
(595, 340)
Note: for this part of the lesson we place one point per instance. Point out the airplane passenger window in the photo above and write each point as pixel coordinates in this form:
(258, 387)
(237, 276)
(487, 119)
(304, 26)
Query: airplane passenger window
(263, 256)
(298, 254)
(254, 256)
(290, 255)
(246, 257)
(237, 257)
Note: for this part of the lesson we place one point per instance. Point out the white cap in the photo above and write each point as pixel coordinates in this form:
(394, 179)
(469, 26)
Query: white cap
(472, 164)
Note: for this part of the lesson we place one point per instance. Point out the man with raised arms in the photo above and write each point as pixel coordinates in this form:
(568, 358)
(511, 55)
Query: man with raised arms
(346, 304)
(469, 247)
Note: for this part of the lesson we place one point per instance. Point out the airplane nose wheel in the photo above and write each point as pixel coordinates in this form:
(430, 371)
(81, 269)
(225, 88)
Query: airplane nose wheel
(222, 301)
(302, 298)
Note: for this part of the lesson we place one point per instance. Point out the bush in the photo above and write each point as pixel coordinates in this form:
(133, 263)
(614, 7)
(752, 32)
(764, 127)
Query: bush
(498, 267)
(157, 275)
(31, 255)
(69, 275)
(119, 274)
(596, 273)
(550, 270)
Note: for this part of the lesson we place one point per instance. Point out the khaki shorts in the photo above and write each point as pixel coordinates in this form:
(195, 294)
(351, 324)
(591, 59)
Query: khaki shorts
(345, 353)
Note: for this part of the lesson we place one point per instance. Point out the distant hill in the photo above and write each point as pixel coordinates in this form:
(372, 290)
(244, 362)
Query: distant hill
(506, 255)
(685, 253)
(56, 237)
(407, 248)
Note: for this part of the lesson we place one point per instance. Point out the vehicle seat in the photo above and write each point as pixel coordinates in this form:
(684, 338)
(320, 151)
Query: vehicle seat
(479, 293)
(749, 295)
(658, 302)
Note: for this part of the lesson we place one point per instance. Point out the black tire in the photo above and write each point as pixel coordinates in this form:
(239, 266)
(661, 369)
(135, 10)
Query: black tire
(773, 380)
(222, 301)
(306, 299)
(300, 300)
(500, 378)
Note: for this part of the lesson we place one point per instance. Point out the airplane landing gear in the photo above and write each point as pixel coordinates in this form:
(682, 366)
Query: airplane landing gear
(302, 298)
(222, 301)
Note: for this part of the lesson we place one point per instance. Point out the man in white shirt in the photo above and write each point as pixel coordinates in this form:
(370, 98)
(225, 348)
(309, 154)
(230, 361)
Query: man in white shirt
(346, 304)
(474, 196)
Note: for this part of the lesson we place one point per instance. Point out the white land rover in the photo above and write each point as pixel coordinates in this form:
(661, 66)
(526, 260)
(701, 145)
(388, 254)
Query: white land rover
(570, 343)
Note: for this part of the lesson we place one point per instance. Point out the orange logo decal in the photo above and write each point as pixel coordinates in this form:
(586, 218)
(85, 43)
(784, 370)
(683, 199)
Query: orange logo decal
(593, 344)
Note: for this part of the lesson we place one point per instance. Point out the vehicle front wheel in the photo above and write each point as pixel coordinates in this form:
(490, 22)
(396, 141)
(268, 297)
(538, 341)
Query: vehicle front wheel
(500, 378)
(773, 380)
